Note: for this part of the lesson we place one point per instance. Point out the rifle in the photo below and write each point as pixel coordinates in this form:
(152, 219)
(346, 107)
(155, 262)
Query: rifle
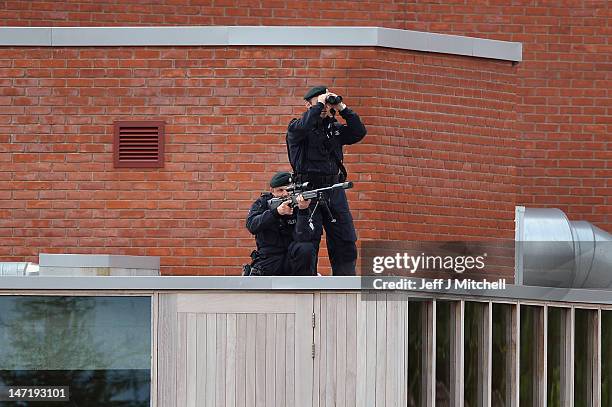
(308, 194)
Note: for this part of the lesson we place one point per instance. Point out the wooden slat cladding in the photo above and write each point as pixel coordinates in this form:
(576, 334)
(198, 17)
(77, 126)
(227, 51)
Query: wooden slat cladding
(250, 350)
(384, 349)
(138, 144)
(361, 355)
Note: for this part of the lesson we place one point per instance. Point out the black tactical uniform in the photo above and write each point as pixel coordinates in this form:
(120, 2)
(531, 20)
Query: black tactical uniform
(284, 243)
(315, 145)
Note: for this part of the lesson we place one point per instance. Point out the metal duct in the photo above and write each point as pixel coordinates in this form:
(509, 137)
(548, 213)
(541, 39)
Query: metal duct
(552, 251)
(18, 269)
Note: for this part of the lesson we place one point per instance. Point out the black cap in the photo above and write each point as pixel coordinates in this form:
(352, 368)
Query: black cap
(316, 91)
(280, 179)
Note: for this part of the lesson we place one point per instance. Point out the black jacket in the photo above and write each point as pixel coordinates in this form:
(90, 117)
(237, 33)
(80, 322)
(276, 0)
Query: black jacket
(273, 232)
(313, 141)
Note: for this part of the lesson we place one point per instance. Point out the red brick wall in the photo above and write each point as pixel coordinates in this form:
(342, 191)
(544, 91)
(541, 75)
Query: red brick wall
(564, 82)
(562, 128)
(387, 13)
(439, 161)
(565, 93)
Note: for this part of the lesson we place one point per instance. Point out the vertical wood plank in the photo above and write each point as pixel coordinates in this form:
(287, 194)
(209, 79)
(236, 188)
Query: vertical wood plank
(483, 356)
(290, 358)
(251, 370)
(362, 356)
(341, 340)
(597, 358)
(405, 376)
(270, 361)
(181, 362)
(330, 373)
(192, 353)
(484, 327)
(260, 361)
(593, 348)
(168, 332)
(324, 323)
(211, 359)
(241, 357)
(488, 345)
(567, 360)
(154, 348)
(201, 322)
(381, 348)
(317, 359)
(457, 333)
(564, 360)
(221, 360)
(281, 330)
(352, 355)
(515, 356)
(303, 350)
(371, 361)
(230, 373)
(571, 351)
(391, 386)
(429, 357)
(397, 356)
(543, 355)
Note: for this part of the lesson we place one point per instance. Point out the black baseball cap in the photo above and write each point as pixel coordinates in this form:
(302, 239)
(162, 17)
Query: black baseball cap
(280, 179)
(316, 91)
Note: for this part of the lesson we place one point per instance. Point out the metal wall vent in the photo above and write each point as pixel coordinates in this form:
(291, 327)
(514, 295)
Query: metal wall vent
(138, 144)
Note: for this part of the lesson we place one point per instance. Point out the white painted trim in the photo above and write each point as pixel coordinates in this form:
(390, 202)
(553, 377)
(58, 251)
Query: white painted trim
(261, 36)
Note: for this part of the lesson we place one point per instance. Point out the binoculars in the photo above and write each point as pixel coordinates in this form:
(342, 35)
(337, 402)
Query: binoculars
(333, 100)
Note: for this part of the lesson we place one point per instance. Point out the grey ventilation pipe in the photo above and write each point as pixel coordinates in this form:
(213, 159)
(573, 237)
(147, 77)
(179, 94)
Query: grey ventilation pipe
(552, 251)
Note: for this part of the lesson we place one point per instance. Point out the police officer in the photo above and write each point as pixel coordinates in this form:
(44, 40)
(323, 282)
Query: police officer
(283, 236)
(314, 144)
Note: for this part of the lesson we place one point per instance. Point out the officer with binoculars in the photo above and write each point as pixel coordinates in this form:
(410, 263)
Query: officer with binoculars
(314, 145)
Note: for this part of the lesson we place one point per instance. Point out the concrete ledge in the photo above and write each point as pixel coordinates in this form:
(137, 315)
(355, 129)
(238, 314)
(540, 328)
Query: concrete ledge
(21, 285)
(303, 36)
(25, 36)
(137, 36)
(260, 36)
(98, 260)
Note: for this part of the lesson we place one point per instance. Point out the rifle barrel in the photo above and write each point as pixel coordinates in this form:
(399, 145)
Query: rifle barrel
(314, 192)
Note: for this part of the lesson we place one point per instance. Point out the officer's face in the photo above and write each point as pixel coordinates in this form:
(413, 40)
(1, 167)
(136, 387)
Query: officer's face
(313, 102)
(280, 192)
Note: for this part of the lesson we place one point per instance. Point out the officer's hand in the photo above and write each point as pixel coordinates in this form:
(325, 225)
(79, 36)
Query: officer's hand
(285, 209)
(302, 203)
(321, 98)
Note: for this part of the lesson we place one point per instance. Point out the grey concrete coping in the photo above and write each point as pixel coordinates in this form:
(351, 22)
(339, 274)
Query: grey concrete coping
(98, 260)
(260, 36)
(20, 285)
(25, 36)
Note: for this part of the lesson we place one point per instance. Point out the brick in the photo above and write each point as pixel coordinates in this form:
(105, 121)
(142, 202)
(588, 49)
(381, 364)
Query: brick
(555, 113)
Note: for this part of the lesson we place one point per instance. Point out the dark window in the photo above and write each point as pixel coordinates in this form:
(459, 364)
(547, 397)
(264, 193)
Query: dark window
(138, 144)
(100, 347)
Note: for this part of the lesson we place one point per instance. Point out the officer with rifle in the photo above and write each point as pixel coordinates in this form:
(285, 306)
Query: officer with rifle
(280, 223)
(314, 145)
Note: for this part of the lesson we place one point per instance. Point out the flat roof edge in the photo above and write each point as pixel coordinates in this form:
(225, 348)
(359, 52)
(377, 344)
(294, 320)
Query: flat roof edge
(261, 36)
(22, 285)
